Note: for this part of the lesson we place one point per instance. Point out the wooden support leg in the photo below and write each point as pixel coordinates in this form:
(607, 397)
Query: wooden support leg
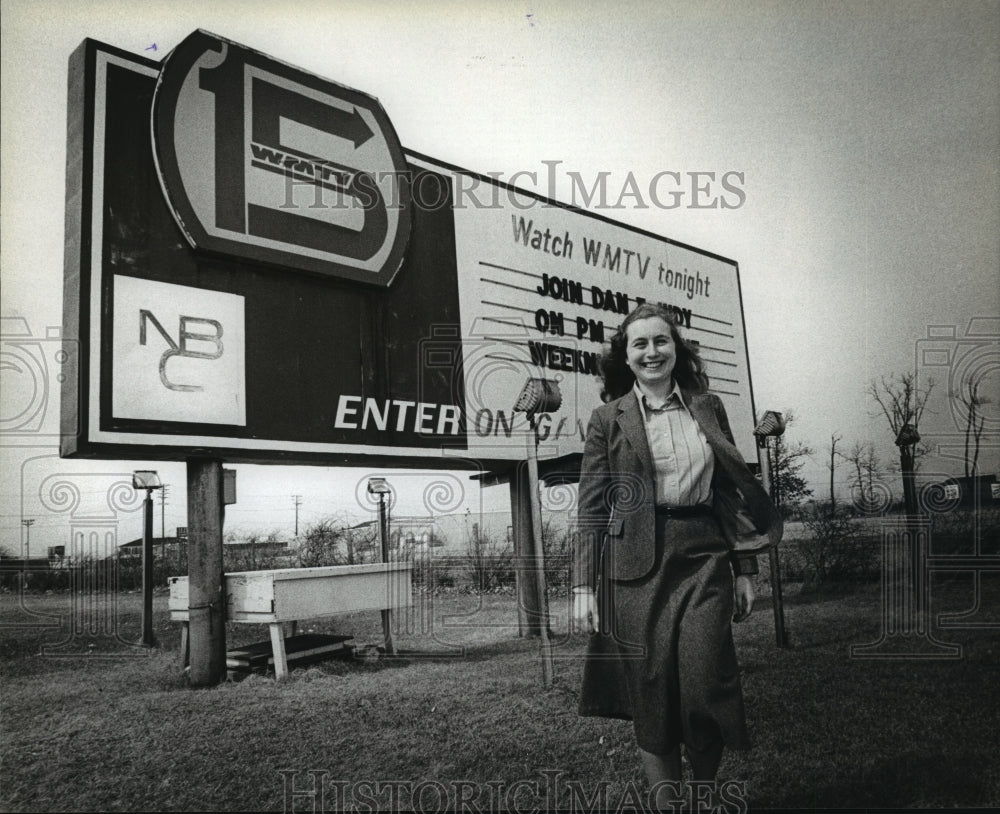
(278, 651)
(529, 614)
(206, 580)
(390, 648)
(185, 646)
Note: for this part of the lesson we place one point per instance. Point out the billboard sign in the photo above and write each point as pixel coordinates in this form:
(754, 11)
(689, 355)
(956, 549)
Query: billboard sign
(191, 347)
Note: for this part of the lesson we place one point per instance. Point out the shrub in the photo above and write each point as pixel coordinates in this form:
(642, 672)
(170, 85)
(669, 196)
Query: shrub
(432, 572)
(557, 544)
(332, 541)
(489, 563)
(835, 550)
(956, 531)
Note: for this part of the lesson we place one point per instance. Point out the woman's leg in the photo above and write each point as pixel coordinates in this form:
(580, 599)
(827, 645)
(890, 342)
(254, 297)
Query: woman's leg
(705, 762)
(664, 770)
(661, 767)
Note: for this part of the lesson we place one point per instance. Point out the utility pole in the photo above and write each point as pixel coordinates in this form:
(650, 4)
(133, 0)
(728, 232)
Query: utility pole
(27, 523)
(163, 524)
(834, 438)
(163, 503)
(27, 540)
(298, 502)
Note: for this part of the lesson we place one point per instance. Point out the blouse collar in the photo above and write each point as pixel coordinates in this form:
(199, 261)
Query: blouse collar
(647, 408)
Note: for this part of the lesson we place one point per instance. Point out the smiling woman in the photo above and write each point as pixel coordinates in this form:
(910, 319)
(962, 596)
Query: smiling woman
(657, 580)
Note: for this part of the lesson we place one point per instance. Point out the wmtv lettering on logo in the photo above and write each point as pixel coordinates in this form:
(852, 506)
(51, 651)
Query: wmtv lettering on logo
(270, 163)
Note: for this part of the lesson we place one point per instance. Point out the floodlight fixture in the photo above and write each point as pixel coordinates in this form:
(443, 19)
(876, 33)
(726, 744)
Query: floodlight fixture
(378, 486)
(770, 426)
(146, 479)
(538, 396)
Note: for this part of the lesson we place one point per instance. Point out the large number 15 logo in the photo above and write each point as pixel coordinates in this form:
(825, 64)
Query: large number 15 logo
(266, 162)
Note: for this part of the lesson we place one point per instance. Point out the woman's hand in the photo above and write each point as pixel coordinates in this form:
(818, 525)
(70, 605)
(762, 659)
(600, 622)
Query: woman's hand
(745, 596)
(584, 610)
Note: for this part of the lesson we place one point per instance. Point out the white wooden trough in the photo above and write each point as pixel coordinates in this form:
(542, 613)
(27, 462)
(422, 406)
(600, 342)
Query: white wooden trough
(294, 594)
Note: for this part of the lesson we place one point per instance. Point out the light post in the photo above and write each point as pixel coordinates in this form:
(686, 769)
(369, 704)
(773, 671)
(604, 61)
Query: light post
(380, 487)
(538, 396)
(771, 426)
(148, 480)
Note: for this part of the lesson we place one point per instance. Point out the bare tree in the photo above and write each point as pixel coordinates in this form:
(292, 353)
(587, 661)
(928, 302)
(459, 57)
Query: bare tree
(971, 399)
(832, 466)
(902, 402)
(867, 469)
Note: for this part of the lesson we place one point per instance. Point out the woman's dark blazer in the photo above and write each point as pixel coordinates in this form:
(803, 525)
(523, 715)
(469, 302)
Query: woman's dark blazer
(617, 469)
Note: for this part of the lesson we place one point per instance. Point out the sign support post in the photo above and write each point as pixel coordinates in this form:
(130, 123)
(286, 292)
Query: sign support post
(148, 639)
(383, 532)
(528, 610)
(379, 487)
(149, 481)
(777, 600)
(539, 552)
(207, 600)
(538, 396)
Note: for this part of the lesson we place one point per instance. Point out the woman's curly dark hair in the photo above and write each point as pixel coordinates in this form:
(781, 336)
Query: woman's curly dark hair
(689, 369)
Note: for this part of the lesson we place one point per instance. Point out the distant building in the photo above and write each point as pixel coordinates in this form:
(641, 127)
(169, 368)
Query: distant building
(14, 564)
(263, 548)
(450, 534)
(979, 490)
(172, 547)
(162, 547)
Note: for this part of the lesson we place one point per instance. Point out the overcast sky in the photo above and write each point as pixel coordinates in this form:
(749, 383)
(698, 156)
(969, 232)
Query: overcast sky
(868, 135)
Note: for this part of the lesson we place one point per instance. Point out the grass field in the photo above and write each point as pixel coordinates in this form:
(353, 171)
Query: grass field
(464, 705)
